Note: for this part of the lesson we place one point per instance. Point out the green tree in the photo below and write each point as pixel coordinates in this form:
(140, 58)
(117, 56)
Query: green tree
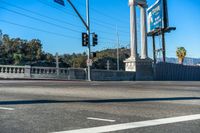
(181, 53)
(17, 58)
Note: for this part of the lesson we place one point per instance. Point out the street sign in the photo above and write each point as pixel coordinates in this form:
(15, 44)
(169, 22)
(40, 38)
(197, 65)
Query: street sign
(157, 16)
(61, 2)
(89, 62)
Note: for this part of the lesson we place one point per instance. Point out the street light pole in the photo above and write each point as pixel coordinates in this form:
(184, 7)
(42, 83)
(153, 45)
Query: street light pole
(117, 49)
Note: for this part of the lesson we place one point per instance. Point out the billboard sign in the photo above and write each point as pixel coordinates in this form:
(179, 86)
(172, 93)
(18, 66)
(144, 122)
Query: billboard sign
(157, 16)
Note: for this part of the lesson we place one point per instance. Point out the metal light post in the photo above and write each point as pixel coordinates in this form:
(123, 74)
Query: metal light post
(117, 49)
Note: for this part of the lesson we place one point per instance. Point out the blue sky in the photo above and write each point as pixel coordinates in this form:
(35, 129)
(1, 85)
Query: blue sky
(60, 29)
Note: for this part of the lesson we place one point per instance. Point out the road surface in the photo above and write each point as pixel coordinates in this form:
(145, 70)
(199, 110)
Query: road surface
(93, 107)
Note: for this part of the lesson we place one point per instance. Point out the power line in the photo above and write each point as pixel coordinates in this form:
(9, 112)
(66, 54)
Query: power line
(97, 21)
(47, 4)
(113, 40)
(105, 32)
(37, 29)
(54, 33)
(58, 20)
(100, 24)
(38, 19)
(105, 15)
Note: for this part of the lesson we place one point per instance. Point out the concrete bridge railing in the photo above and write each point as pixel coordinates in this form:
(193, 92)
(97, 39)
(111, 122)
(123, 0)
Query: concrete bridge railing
(13, 72)
(28, 72)
(9, 71)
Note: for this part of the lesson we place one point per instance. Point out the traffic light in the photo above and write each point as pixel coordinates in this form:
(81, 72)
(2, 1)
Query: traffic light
(94, 39)
(94, 54)
(85, 39)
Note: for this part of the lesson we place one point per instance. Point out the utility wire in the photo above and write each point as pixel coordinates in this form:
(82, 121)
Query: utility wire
(37, 29)
(103, 14)
(49, 5)
(38, 19)
(54, 33)
(60, 21)
(106, 15)
(106, 26)
(94, 20)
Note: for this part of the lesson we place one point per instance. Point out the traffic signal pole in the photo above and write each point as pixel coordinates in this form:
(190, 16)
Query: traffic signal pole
(88, 32)
(87, 25)
(79, 15)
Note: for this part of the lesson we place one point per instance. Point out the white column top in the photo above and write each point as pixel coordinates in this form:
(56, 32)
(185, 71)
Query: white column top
(138, 2)
(131, 2)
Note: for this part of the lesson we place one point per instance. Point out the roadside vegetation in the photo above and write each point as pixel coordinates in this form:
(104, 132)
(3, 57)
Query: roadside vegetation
(17, 51)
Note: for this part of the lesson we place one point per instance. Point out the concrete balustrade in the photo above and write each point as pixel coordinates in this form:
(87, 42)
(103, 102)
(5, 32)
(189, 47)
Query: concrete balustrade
(28, 72)
(12, 69)
(9, 71)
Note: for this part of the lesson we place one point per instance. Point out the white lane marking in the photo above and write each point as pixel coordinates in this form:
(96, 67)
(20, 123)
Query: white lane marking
(100, 119)
(10, 109)
(133, 125)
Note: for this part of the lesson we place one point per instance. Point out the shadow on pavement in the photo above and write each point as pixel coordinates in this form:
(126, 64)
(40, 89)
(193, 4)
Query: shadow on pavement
(98, 101)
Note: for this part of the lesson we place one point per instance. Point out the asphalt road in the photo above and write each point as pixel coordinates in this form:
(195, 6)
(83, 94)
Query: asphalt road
(118, 107)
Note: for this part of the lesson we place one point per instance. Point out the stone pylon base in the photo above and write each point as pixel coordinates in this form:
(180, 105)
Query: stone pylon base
(144, 69)
(130, 65)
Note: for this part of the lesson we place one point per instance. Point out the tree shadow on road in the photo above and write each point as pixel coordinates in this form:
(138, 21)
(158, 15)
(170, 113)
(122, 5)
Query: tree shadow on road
(98, 100)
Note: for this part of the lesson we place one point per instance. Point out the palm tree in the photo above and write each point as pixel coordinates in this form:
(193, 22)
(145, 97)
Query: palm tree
(181, 53)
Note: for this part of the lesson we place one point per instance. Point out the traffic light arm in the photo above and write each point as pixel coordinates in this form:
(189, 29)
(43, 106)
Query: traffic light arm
(85, 24)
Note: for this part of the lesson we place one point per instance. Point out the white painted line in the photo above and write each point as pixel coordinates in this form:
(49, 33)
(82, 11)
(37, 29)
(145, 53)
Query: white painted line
(125, 126)
(100, 119)
(10, 109)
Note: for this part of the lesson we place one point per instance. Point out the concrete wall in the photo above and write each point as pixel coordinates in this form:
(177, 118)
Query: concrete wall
(109, 75)
(144, 70)
(162, 72)
(176, 72)
(62, 73)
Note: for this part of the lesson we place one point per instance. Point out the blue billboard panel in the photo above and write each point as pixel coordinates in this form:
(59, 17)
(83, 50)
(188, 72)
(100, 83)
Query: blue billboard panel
(155, 17)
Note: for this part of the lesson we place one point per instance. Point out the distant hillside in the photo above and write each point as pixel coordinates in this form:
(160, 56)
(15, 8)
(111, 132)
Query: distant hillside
(187, 61)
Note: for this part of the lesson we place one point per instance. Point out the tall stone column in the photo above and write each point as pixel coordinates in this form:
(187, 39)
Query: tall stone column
(133, 30)
(132, 61)
(144, 53)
